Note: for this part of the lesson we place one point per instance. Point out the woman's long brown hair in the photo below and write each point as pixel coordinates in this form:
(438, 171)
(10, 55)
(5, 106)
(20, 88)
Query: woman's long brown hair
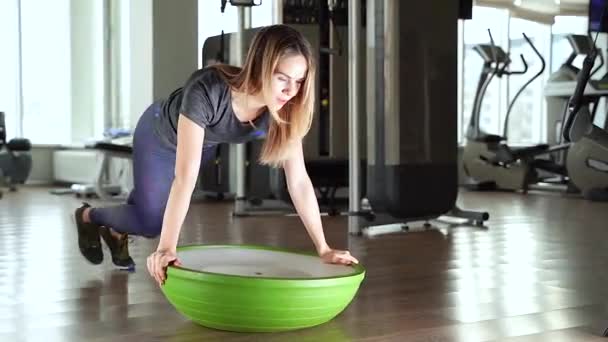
(292, 122)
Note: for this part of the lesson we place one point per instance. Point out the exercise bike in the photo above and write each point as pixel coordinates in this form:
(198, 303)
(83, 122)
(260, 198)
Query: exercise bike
(488, 160)
(15, 159)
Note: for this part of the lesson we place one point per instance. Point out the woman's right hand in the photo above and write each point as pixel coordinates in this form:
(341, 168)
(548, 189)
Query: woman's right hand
(158, 262)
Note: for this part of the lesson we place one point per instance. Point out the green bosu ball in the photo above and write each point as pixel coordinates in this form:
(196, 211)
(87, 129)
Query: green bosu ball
(247, 288)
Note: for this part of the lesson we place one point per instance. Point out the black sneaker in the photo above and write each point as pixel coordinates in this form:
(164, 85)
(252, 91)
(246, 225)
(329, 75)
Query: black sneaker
(88, 238)
(119, 248)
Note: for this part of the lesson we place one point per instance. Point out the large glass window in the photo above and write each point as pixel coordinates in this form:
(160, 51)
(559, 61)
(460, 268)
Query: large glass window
(51, 69)
(525, 119)
(525, 124)
(560, 47)
(211, 21)
(9, 66)
(476, 32)
(46, 60)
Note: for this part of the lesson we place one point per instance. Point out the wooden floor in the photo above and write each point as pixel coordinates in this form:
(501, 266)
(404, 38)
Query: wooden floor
(537, 273)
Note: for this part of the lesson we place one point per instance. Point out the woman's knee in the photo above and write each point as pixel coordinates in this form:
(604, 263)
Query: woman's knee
(152, 223)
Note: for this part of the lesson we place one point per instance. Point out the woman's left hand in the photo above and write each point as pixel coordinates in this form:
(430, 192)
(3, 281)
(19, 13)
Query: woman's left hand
(334, 256)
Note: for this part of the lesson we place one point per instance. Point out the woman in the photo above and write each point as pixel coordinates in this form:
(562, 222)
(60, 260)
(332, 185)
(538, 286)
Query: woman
(272, 96)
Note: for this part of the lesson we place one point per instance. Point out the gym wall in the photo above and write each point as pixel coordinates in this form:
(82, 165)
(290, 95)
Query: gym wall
(175, 46)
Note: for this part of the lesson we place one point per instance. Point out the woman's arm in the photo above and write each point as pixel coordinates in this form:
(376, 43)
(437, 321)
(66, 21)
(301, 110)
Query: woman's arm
(304, 199)
(190, 138)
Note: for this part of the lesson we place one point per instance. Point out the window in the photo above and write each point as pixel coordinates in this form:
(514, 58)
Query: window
(476, 32)
(9, 66)
(525, 120)
(36, 69)
(121, 66)
(211, 21)
(526, 124)
(560, 47)
(262, 15)
(46, 71)
(561, 50)
(53, 70)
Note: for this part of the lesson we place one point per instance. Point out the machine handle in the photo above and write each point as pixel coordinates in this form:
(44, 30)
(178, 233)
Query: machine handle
(576, 101)
(538, 54)
(601, 56)
(542, 69)
(2, 130)
(520, 72)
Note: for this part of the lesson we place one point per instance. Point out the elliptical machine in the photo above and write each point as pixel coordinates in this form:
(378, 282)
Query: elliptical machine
(488, 160)
(561, 84)
(15, 159)
(589, 143)
(587, 160)
(567, 72)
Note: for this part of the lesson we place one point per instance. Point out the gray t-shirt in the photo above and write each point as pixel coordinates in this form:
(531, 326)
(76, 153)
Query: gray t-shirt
(206, 100)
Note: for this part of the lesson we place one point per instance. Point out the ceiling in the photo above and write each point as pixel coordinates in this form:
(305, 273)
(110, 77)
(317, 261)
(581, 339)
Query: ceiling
(539, 10)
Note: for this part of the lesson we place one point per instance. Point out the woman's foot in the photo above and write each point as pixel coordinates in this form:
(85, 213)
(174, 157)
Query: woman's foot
(89, 242)
(119, 246)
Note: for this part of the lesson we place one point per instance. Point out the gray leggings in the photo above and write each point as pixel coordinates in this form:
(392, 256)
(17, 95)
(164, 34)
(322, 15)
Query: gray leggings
(153, 173)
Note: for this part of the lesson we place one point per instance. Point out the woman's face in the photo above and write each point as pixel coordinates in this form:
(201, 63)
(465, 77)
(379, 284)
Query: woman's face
(287, 79)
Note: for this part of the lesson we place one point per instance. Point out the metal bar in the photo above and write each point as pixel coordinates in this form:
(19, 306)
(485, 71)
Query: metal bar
(277, 12)
(108, 67)
(20, 110)
(354, 31)
(244, 21)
